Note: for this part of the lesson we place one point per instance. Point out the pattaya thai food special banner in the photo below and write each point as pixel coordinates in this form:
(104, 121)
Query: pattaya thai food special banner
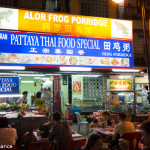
(53, 50)
(26, 20)
(9, 85)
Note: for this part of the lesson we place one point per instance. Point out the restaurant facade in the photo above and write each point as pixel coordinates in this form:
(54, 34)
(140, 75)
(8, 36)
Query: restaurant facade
(47, 42)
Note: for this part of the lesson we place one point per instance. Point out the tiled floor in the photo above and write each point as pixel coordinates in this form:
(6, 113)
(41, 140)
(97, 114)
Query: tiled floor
(83, 132)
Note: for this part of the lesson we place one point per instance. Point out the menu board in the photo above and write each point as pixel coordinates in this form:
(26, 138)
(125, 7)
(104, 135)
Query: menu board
(9, 85)
(120, 85)
(35, 21)
(53, 50)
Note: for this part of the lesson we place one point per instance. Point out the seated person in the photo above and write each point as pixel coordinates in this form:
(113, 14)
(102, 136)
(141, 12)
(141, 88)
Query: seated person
(146, 134)
(94, 142)
(121, 128)
(103, 121)
(50, 123)
(8, 136)
(60, 132)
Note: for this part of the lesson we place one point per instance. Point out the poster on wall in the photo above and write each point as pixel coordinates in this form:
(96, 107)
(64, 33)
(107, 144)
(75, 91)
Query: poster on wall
(48, 22)
(60, 50)
(76, 87)
(9, 85)
(120, 85)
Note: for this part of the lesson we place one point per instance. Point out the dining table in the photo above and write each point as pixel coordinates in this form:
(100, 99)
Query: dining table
(36, 137)
(106, 131)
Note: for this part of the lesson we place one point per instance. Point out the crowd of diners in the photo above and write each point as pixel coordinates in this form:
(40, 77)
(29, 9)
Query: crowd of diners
(61, 133)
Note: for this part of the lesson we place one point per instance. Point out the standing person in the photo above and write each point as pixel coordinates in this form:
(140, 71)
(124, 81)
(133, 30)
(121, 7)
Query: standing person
(38, 95)
(145, 127)
(8, 136)
(148, 97)
(22, 99)
(60, 132)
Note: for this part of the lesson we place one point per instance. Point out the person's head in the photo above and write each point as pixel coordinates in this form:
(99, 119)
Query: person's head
(122, 116)
(105, 116)
(25, 94)
(94, 142)
(38, 95)
(3, 122)
(56, 116)
(146, 132)
(50, 117)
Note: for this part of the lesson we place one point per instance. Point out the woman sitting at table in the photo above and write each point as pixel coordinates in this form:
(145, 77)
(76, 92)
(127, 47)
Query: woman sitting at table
(102, 121)
(8, 135)
(60, 132)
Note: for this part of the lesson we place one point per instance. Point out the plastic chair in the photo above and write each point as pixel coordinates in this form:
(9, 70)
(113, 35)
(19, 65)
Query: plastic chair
(136, 124)
(81, 122)
(23, 141)
(40, 146)
(130, 137)
(76, 144)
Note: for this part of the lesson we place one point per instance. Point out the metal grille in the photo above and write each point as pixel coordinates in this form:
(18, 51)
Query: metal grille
(94, 87)
(97, 8)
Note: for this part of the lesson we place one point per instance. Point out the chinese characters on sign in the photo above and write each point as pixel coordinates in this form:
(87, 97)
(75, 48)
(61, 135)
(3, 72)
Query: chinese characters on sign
(76, 87)
(35, 21)
(120, 85)
(52, 50)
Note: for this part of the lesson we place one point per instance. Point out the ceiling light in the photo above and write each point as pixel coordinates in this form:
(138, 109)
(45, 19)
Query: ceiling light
(52, 74)
(12, 95)
(12, 67)
(74, 69)
(45, 78)
(37, 77)
(9, 74)
(121, 94)
(142, 72)
(125, 76)
(32, 75)
(27, 81)
(117, 1)
(124, 70)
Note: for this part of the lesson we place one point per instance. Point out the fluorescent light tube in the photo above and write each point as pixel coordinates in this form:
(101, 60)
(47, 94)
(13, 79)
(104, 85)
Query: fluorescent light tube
(32, 75)
(74, 69)
(89, 75)
(10, 74)
(52, 74)
(45, 78)
(12, 67)
(124, 70)
(117, 1)
(27, 81)
(37, 77)
(121, 94)
(12, 95)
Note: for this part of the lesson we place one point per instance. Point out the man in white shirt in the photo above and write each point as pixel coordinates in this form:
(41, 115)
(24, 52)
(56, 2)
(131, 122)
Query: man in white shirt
(22, 99)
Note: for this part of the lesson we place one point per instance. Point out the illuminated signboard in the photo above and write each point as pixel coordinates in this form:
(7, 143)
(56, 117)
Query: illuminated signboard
(9, 85)
(120, 85)
(51, 50)
(26, 20)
